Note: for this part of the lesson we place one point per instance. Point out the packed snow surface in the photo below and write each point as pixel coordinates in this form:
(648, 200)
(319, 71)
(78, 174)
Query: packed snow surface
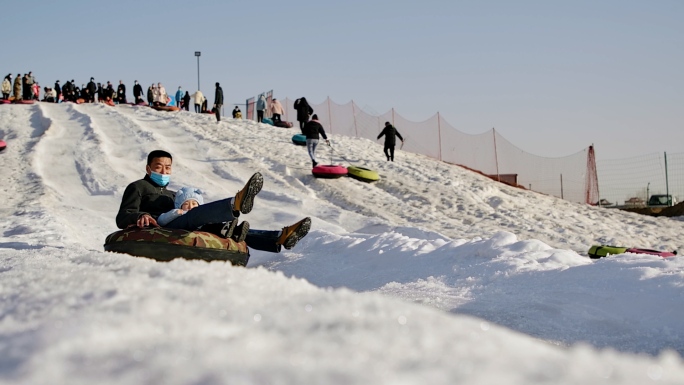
(434, 274)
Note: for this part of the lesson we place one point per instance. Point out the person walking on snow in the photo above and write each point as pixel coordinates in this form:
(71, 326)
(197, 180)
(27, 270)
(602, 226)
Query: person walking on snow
(312, 129)
(390, 132)
(218, 102)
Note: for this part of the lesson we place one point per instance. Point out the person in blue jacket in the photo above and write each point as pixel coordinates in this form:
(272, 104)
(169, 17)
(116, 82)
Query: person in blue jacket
(260, 107)
(179, 96)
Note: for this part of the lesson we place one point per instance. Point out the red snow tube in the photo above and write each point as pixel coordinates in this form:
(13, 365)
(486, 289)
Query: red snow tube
(3, 145)
(664, 254)
(5, 101)
(329, 171)
(166, 108)
(23, 101)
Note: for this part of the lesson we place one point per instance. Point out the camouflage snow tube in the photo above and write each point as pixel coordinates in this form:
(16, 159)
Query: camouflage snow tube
(166, 244)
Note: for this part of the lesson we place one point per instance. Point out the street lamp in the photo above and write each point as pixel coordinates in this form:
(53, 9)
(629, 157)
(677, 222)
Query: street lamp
(198, 54)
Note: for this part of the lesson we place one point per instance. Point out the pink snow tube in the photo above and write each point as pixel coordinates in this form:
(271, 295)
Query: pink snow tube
(3, 101)
(664, 254)
(329, 171)
(3, 145)
(23, 101)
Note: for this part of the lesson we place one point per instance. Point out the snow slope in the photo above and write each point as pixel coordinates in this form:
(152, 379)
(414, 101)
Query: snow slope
(432, 274)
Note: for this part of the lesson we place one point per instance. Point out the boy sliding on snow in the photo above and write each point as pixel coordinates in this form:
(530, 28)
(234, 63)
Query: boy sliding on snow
(187, 198)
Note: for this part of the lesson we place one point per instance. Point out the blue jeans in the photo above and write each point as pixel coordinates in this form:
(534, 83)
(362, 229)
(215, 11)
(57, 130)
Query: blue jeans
(220, 212)
(311, 145)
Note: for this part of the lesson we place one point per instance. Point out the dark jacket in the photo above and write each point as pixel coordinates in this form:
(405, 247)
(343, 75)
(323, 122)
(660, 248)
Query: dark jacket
(218, 96)
(143, 197)
(58, 89)
(390, 132)
(92, 87)
(312, 128)
(137, 91)
(304, 110)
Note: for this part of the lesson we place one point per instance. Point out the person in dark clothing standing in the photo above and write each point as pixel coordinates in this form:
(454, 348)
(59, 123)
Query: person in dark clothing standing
(186, 101)
(150, 94)
(25, 88)
(100, 93)
(66, 91)
(121, 93)
(137, 93)
(312, 129)
(304, 110)
(58, 91)
(218, 101)
(390, 132)
(92, 89)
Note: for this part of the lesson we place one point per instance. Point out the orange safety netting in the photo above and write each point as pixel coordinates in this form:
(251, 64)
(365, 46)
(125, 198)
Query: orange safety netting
(572, 177)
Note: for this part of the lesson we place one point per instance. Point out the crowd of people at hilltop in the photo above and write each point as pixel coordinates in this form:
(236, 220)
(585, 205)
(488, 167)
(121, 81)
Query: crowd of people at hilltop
(25, 87)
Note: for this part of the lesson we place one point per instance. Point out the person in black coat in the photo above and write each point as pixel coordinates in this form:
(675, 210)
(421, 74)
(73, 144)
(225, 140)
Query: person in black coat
(121, 93)
(99, 92)
(186, 101)
(137, 93)
(92, 89)
(390, 132)
(218, 101)
(312, 129)
(145, 199)
(304, 110)
(58, 91)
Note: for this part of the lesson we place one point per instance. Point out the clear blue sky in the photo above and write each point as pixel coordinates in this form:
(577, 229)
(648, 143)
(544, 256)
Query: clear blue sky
(551, 76)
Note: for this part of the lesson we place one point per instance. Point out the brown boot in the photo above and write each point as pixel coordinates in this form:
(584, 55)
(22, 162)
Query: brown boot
(244, 199)
(292, 234)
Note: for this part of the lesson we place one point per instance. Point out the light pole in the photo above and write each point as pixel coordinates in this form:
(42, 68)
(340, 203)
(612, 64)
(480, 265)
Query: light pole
(198, 54)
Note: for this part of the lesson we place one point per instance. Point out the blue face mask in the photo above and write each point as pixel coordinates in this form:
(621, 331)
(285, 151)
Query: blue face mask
(160, 179)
